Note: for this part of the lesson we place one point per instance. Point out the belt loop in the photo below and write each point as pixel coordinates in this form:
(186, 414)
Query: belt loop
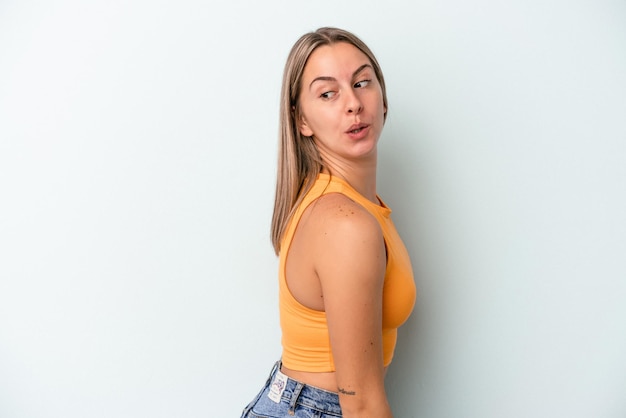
(294, 398)
(273, 372)
(276, 367)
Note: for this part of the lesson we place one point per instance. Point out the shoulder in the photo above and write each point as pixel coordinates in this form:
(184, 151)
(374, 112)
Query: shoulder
(336, 216)
(341, 232)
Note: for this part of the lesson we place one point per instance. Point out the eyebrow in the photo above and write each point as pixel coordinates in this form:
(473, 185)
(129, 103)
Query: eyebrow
(326, 78)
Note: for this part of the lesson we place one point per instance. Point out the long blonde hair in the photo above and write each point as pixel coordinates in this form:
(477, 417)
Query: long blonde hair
(299, 161)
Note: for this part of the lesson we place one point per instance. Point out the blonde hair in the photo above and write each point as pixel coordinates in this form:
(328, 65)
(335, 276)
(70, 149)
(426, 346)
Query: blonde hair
(299, 161)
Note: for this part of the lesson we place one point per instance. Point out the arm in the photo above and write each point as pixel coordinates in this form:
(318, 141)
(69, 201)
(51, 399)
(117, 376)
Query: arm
(350, 262)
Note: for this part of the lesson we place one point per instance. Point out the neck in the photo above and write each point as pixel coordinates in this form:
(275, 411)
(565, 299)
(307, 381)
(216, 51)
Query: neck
(360, 175)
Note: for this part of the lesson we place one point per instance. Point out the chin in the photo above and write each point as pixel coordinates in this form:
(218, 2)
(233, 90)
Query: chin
(364, 150)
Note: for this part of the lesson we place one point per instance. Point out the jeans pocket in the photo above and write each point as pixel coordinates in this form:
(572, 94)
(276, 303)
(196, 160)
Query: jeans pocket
(264, 407)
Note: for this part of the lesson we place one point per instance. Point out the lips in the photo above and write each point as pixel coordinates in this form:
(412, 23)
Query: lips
(358, 131)
(356, 128)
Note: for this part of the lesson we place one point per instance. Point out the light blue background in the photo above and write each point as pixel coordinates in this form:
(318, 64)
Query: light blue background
(137, 166)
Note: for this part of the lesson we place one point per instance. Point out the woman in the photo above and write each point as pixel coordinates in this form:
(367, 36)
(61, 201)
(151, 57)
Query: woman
(345, 278)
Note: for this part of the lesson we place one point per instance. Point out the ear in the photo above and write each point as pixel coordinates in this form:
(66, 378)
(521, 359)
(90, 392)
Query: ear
(304, 128)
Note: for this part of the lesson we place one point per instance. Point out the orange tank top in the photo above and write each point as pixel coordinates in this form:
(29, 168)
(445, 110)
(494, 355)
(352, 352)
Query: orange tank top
(305, 338)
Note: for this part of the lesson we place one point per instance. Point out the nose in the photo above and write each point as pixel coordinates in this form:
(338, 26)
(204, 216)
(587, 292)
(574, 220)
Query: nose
(353, 103)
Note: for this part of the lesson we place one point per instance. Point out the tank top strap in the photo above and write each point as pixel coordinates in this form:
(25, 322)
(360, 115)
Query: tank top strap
(338, 185)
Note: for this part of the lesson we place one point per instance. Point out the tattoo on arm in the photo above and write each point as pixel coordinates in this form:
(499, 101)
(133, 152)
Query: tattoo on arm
(347, 392)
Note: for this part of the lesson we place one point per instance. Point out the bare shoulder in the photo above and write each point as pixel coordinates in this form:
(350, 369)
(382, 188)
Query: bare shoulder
(343, 238)
(336, 216)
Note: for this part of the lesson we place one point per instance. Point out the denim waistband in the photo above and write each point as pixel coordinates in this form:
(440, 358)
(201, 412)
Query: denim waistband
(298, 393)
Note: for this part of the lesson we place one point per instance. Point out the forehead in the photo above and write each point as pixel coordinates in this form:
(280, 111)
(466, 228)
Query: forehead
(336, 60)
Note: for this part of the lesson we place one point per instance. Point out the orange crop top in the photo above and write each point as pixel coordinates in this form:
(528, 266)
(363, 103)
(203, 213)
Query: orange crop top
(305, 338)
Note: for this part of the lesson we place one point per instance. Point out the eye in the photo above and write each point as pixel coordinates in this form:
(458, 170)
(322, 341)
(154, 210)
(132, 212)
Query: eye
(327, 95)
(362, 83)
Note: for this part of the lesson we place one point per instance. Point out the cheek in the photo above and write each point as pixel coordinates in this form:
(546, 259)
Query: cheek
(322, 120)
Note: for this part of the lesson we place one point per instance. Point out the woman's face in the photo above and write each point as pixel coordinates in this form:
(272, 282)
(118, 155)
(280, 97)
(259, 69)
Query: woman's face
(341, 103)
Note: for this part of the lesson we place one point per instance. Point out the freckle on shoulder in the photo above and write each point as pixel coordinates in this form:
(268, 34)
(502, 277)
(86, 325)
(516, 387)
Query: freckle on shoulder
(337, 204)
(335, 211)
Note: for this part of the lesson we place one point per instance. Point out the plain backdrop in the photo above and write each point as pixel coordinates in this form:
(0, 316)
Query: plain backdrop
(137, 167)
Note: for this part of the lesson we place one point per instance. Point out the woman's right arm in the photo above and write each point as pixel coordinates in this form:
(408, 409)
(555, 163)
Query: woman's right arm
(350, 262)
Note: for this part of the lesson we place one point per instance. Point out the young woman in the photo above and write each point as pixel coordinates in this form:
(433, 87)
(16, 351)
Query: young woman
(345, 277)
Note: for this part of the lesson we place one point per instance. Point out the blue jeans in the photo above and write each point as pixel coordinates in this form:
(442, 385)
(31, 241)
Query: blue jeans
(284, 397)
